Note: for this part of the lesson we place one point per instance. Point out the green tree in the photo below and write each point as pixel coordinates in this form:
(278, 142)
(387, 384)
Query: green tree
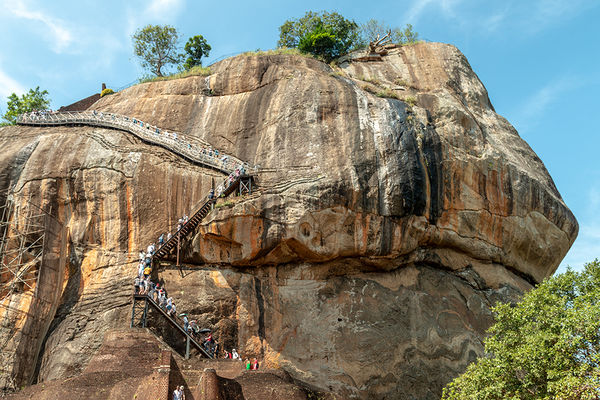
(35, 99)
(545, 347)
(320, 42)
(408, 36)
(324, 28)
(196, 48)
(373, 28)
(157, 47)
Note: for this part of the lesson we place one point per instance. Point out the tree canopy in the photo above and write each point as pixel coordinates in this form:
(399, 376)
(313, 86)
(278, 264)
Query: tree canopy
(327, 34)
(35, 99)
(196, 48)
(157, 47)
(370, 30)
(545, 347)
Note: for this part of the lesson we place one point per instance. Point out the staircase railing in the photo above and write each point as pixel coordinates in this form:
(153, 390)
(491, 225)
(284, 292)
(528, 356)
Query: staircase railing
(183, 145)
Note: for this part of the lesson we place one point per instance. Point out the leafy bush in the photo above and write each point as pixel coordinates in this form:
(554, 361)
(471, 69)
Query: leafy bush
(545, 347)
(196, 48)
(411, 101)
(326, 34)
(106, 91)
(320, 42)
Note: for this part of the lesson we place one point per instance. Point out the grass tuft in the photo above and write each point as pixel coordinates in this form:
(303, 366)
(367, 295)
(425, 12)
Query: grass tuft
(279, 51)
(194, 71)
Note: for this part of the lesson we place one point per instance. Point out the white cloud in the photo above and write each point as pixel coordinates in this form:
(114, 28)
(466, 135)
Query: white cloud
(533, 108)
(7, 86)
(60, 37)
(447, 7)
(163, 10)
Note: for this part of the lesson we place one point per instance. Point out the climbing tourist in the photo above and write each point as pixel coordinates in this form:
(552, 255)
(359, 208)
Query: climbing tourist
(147, 285)
(247, 364)
(142, 255)
(161, 239)
(136, 285)
(147, 271)
(186, 323)
(177, 393)
(211, 194)
(151, 249)
(179, 223)
(235, 355)
(254, 364)
(162, 298)
(215, 352)
(169, 236)
(141, 267)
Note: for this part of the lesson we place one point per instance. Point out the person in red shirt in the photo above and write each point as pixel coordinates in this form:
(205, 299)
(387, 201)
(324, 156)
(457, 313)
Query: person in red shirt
(254, 364)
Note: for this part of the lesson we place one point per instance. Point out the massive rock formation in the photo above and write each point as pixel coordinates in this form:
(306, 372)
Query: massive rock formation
(394, 207)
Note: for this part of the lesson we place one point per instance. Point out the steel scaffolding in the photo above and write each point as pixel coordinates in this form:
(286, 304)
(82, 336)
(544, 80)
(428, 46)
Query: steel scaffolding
(23, 238)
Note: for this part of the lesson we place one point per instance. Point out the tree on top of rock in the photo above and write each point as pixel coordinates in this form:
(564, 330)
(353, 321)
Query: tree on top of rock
(545, 347)
(196, 48)
(33, 100)
(157, 47)
(373, 29)
(326, 34)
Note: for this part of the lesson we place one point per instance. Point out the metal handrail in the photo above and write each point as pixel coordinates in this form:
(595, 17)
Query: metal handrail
(188, 147)
(173, 141)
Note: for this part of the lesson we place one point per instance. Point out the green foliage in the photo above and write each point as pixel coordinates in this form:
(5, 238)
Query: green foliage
(411, 101)
(106, 91)
(328, 33)
(407, 36)
(320, 42)
(545, 347)
(196, 48)
(387, 93)
(194, 71)
(370, 30)
(157, 47)
(283, 50)
(35, 99)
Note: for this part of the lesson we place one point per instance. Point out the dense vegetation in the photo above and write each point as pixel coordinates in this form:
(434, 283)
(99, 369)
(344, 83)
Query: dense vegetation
(545, 347)
(329, 35)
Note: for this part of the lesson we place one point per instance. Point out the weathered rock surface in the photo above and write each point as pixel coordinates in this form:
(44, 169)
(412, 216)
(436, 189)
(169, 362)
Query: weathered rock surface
(367, 261)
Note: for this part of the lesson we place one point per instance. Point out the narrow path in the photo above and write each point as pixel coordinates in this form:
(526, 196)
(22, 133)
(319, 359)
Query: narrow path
(187, 147)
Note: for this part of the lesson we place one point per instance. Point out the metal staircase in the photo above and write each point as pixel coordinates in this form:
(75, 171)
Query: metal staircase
(239, 179)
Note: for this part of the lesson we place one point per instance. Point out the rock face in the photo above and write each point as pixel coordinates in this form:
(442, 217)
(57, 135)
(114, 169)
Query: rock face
(382, 231)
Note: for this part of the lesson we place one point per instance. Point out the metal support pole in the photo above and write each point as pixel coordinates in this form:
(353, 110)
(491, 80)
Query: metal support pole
(187, 347)
(145, 312)
(133, 313)
(178, 243)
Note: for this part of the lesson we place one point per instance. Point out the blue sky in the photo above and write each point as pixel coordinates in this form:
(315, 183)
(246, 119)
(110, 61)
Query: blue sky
(539, 59)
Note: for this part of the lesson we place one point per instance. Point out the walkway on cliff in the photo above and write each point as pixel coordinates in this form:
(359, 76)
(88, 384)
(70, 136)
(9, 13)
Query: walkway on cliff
(239, 179)
(190, 148)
